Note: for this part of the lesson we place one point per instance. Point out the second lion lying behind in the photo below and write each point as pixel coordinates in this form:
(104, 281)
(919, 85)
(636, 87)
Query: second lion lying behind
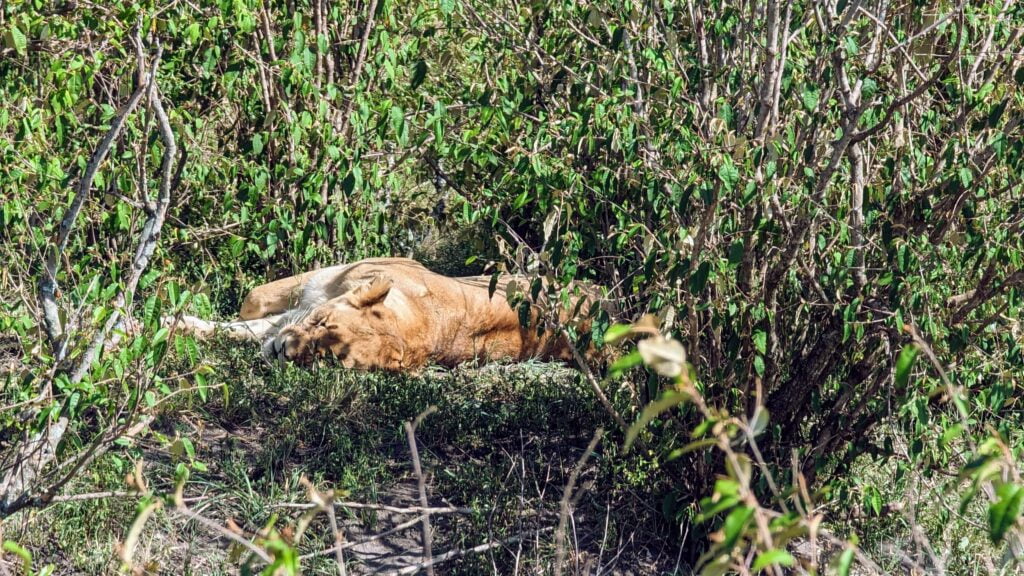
(390, 314)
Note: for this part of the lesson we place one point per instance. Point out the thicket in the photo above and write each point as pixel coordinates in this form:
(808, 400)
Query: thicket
(821, 201)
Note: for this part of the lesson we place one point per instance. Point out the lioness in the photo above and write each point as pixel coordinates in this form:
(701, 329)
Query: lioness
(389, 314)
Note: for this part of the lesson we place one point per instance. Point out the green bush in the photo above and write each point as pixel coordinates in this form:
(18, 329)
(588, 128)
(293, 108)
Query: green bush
(808, 195)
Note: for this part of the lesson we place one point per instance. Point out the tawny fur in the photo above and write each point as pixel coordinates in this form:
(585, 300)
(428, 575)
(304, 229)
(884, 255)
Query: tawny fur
(390, 314)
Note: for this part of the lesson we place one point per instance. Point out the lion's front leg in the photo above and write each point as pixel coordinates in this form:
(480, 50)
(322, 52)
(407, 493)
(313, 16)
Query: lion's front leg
(255, 330)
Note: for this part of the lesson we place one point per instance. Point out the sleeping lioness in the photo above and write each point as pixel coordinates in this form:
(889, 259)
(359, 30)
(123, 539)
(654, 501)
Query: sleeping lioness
(390, 314)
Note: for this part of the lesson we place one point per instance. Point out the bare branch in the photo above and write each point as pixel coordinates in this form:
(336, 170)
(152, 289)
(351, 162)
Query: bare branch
(357, 70)
(18, 484)
(48, 288)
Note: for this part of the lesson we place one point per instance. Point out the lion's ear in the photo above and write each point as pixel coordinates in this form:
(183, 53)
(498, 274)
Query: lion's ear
(371, 293)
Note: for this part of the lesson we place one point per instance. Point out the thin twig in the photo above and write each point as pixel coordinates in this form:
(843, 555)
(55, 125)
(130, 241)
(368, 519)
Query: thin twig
(567, 497)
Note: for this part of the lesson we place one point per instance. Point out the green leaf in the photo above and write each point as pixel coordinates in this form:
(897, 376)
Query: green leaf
(736, 252)
(760, 342)
(873, 500)
(904, 363)
(160, 336)
(617, 332)
(966, 176)
(670, 400)
(14, 548)
(419, 74)
(625, 363)
(192, 32)
(700, 278)
(728, 174)
(16, 39)
(692, 447)
(844, 562)
(773, 558)
(809, 97)
(711, 507)
(1003, 514)
(201, 385)
(735, 524)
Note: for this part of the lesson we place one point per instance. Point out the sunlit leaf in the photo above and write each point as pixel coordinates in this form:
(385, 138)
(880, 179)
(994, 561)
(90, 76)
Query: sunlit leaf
(1005, 511)
(773, 558)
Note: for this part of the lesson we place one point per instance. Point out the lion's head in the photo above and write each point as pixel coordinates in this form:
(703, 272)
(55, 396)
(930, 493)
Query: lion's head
(357, 328)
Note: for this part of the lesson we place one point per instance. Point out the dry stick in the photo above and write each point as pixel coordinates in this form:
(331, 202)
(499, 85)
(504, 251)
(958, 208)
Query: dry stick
(582, 363)
(410, 433)
(329, 57)
(98, 448)
(988, 43)
(374, 538)
(384, 507)
(339, 539)
(104, 496)
(459, 553)
(261, 73)
(856, 220)
(318, 25)
(183, 510)
(770, 69)
(147, 246)
(567, 496)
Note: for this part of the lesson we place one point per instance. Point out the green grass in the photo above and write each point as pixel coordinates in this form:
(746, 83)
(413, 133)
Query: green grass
(502, 441)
